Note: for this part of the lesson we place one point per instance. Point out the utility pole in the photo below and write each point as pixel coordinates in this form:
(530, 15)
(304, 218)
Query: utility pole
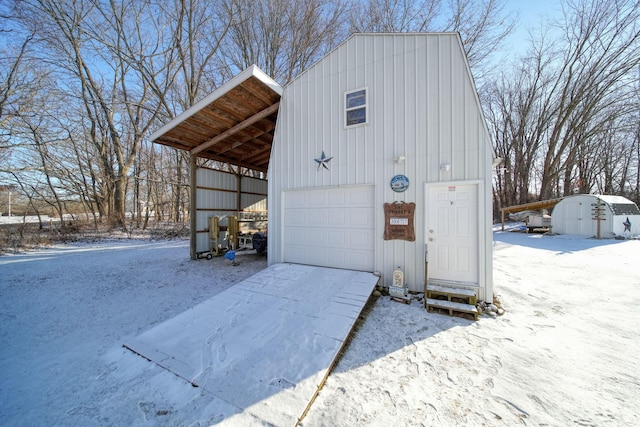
(9, 203)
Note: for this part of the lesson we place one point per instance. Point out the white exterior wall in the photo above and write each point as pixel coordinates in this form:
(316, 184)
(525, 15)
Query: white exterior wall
(217, 195)
(422, 105)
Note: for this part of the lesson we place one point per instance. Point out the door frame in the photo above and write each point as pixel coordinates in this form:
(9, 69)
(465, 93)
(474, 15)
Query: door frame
(478, 283)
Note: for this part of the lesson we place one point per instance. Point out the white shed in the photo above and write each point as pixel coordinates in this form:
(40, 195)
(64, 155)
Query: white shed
(576, 215)
(381, 156)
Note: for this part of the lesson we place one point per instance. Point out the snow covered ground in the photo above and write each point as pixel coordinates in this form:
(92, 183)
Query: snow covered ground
(30, 219)
(565, 352)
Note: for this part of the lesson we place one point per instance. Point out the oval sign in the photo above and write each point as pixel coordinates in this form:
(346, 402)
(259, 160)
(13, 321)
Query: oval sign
(399, 183)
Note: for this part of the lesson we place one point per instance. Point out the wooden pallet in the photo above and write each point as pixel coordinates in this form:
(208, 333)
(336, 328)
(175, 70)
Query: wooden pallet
(402, 300)
(451, 300)
(452, 307)
(447, 292)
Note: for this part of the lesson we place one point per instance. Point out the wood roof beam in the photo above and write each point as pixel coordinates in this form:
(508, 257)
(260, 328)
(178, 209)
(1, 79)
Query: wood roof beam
(259, 157)
(237, 128)
(223, 159)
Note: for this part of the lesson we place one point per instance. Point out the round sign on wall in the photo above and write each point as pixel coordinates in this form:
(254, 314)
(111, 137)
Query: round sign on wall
(399, 183)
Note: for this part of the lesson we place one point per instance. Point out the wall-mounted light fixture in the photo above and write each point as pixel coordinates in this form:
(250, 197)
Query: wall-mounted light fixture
(398, 160)
(445, 167)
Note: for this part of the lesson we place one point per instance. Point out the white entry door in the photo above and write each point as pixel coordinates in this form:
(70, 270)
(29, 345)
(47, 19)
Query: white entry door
(452, 233)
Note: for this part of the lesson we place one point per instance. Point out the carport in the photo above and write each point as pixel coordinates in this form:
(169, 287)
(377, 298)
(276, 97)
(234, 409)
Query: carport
(234, 125)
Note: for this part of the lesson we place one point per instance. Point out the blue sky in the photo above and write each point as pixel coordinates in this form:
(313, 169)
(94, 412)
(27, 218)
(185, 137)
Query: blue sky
(531, 14)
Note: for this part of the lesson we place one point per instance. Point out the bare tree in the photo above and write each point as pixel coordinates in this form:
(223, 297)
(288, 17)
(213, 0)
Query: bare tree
(483, 25)
(386, 16)
(66, 33)
(602, 49)
(13, 83)
(561, 118)
(188, 71)
(283, 37)
(117, 65)
(20, 81)
(517, 114)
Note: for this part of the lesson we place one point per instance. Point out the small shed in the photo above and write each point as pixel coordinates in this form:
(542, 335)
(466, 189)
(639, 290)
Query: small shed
(382, 159)
(577, 215)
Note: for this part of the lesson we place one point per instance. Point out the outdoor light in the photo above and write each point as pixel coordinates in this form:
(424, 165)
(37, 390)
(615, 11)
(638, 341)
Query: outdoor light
(398, 160)
(445, 166)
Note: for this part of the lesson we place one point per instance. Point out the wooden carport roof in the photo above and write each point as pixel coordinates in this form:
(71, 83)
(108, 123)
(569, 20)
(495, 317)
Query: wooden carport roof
(541, 204)
(234, 124)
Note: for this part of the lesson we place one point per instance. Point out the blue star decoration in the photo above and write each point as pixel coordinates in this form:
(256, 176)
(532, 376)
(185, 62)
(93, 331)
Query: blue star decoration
(627, 225)
(322, 161)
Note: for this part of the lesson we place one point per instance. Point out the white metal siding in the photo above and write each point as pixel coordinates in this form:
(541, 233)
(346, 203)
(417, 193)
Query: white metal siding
(422, 105)
(330, 227)
(217, 195)
(254, 194)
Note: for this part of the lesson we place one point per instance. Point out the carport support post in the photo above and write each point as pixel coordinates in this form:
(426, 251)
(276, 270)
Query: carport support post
(238, 193)
(192, 209)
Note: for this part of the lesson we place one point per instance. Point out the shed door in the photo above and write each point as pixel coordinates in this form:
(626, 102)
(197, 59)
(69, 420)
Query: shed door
(575, 221)
(330, 227)
(452, 233)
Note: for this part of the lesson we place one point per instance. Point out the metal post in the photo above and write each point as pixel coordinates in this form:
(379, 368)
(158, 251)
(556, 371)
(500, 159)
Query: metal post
(426, 273)
(238, 193)
(9, 203)
(193, 208)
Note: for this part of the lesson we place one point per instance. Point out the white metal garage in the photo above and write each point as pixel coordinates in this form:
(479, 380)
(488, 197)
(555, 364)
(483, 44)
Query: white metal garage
(378, 111)
(332, 227)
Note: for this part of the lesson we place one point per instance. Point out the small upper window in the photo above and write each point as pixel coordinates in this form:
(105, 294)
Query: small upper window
(355, 107)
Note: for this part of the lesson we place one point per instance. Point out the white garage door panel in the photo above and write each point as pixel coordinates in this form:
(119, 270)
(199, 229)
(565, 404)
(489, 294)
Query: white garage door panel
(336, 216)
(322, 217)
(295, 198)
(330, 227)
(337, 238)
(337, 257)
(317, 239)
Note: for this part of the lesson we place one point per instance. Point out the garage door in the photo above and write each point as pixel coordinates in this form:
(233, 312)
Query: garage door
(331, 227)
